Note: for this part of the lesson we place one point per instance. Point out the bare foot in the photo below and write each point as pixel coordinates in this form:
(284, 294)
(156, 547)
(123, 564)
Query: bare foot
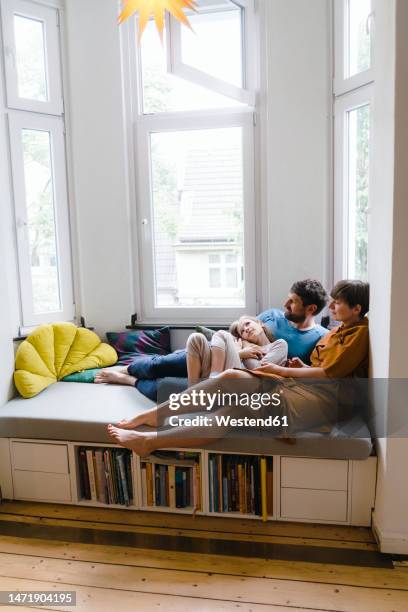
(146, 418)
(115, 377)
(141, 443)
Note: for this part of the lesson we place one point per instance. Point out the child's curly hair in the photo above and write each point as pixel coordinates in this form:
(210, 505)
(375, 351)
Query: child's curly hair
(235, 326)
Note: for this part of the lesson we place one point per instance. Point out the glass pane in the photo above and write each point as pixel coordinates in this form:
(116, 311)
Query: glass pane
(41, 220)
(231, 278)
(359, 36)
(164, 92)
(215, 278)
(197, 210)
(215, 44)
(30, 58)
(359, 133)
(214, 259)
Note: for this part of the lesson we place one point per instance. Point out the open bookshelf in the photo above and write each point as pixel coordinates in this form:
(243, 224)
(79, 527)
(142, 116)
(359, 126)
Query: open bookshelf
(171, 481)
(105, 476)
(240, 485)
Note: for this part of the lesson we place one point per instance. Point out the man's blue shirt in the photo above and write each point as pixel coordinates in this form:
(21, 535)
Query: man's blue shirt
(300, 342)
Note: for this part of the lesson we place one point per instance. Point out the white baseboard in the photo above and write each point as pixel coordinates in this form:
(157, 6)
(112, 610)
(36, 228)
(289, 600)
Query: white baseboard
(391, 542)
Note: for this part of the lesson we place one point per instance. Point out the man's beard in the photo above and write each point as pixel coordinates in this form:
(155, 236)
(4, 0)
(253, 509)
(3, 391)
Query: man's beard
(295, 318)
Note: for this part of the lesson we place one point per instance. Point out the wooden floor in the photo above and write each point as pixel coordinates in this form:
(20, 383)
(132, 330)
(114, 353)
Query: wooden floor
(47, 547)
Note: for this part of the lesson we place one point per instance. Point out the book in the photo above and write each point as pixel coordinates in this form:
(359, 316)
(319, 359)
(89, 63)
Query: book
(264, 510)
(211, 483)
(129, 471)
(100, 476)
(149, 484)
(162, 478)
(220, 486)
(85, 490)
(122, 475)
(179, 488)
(91, 473)
(118, 478)
(144, 485)
(184, 489)
(269, 487)
(109, 487)
(241, 501)
(172, 486)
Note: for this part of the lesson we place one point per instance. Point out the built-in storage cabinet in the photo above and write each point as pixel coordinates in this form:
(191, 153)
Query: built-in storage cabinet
(314, 489)
(40, 471)
(190, 481)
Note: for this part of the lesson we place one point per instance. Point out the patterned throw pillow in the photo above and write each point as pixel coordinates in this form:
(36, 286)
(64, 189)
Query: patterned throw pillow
(129, 344)
(208, 333)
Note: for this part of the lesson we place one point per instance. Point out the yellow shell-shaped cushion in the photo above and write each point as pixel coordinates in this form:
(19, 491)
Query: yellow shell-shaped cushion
(54, 351)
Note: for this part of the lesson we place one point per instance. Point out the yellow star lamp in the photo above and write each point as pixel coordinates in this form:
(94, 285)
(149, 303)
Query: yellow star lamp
(157, 9)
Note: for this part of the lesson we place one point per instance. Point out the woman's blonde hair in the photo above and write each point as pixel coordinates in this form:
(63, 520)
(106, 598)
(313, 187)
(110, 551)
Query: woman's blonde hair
(234, 327)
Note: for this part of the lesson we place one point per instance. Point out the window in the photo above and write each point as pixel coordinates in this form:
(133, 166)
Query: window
(353, 91)
(354, 39)
(195, 166)
(31, 51)
(37, 151)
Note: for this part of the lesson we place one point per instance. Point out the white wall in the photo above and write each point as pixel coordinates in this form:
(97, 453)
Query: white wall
(388, 258)
(99, 193)
(299, 103)
(9, 301)
(298, 163)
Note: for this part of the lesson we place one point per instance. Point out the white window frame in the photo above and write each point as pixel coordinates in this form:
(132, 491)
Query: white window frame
(170, 122)
(54, 125)
(342, 83)
(141, 126)
(49, 16)
(344, 105)
(244, 94)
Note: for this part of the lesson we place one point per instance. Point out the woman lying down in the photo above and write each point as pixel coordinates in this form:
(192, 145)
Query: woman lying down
(341, 353)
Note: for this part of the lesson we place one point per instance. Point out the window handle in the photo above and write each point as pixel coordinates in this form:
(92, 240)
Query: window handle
(145, 222)
(10, 54)
(370, 19)
(21, 223)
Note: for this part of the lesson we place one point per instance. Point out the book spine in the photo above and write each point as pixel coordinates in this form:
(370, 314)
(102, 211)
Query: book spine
(252, 478)
(157, 492)
(220, 485)
(91, 472)
(215, 485)
(144, 486)
(241, 504)
(269, 486)
(172, 486)
(122, 472)
(100, 476)
(198, 477)
(263, 490)
(118, 478)
(179, 488)
(129, 473)
(83, 472)
(211, 483)
(149, 486)
(112, 471)
(163, 496)
(184, 497)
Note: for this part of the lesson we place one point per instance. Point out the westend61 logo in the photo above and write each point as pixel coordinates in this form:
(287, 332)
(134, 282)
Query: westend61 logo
(202, 399)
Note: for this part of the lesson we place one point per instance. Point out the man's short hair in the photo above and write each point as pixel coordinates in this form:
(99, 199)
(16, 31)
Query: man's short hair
(353, 292)
(311, 292)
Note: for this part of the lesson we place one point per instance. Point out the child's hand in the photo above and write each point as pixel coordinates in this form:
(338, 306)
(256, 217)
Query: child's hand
(295, 362)
(251, 352)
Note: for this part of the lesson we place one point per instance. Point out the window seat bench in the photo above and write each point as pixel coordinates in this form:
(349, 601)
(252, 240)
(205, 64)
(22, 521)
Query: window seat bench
(321, 478)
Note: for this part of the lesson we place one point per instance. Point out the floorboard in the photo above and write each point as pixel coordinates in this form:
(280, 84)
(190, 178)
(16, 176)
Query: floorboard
(176, 565)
